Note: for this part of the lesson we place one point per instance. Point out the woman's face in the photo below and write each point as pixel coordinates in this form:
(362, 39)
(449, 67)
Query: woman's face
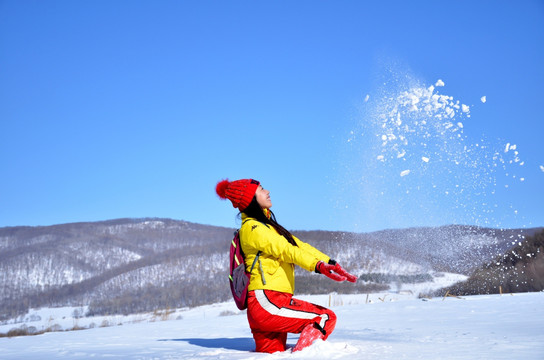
(263, 197)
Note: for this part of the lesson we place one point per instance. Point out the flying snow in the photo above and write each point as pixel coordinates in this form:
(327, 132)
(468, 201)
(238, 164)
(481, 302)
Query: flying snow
(509, 147)
(413, 122)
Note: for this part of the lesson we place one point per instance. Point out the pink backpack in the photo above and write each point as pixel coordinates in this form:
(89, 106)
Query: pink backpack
(238, 275)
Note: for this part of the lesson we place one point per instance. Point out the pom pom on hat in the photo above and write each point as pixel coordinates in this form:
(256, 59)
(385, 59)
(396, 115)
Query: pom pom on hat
(239, 192)
(221, 188)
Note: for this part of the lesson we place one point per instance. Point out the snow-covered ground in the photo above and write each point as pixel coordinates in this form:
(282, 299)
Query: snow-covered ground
(380, 326)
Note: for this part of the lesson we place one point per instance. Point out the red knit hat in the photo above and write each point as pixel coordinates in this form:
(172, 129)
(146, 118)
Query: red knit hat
(240, 192)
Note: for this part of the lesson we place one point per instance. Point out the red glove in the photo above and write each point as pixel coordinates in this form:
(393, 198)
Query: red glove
(340, 270)
(334, 271)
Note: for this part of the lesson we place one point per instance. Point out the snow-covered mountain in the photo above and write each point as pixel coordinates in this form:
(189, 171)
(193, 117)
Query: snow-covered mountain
(135, 265)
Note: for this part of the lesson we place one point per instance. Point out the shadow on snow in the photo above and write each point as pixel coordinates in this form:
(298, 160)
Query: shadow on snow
(242, 344)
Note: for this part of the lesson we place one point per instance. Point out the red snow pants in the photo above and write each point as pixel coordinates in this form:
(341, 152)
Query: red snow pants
(271, 315)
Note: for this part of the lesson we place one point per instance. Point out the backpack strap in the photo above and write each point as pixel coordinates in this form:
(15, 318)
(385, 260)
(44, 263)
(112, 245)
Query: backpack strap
(258, 254)
(255, 261)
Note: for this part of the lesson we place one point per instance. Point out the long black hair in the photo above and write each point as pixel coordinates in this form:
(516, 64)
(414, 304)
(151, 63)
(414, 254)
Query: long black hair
(255, 211)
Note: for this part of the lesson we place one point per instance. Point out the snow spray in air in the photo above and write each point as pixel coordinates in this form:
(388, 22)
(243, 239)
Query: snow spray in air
(410, 160)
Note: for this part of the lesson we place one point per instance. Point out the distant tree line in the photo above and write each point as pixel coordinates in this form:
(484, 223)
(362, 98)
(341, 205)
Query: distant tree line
(393, 278)
(318, 284)
(190, 293)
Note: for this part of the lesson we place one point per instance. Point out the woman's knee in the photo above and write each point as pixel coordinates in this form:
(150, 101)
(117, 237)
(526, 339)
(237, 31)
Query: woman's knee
(269, 342)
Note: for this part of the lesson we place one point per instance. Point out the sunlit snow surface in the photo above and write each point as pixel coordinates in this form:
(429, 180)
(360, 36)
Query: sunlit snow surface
(399, 327)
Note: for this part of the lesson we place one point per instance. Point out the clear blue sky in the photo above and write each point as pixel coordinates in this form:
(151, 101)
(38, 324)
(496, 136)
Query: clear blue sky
(114, 109)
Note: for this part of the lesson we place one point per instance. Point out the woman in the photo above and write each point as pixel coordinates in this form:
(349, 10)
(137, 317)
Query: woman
(272, 311)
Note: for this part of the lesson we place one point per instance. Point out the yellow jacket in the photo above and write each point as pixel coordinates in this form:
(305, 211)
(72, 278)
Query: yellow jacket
(275, 268)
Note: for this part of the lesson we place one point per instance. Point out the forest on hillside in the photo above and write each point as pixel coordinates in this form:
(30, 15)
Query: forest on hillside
(520, 269)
